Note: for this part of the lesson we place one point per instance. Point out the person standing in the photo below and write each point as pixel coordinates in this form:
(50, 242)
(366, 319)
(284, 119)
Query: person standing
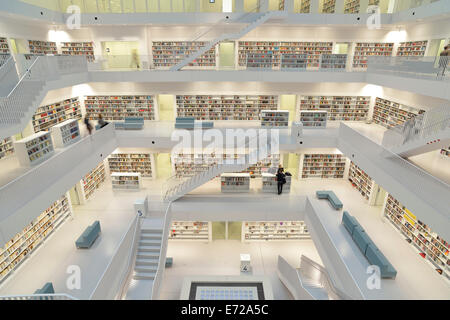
(88, 123)
(101, 122)
(281, 179)
(443, 60)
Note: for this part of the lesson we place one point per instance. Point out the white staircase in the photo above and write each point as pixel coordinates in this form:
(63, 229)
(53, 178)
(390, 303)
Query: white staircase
(229, 36)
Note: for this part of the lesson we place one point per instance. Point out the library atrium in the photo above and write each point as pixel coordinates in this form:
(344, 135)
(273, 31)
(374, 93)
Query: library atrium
(224, 149)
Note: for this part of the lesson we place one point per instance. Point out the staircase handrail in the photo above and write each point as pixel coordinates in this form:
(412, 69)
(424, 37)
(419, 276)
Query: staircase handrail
(162, 254)
(46, 296)
(22, 78)
(325, 279)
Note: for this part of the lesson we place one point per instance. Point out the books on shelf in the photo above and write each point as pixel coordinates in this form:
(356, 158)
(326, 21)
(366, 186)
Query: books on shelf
(222, 107)
(79, 48)
(34, 149)
(312, 119)
(390, 114)
(131, 162)
(6, 147)
(235, 182)
(66, 133)
(258, 49)
(274, 118)
(42, 47)
(308, 53)
(270, 183)
(352, 6)
(323, 166)
(344, 108)
(47, 116)
(93, 180)
(170, 53)
(190, 230)
(445, 152)
(328, 6)
(4, 47)
(305, 6)
(16, 250)
(126, 180)
(412, 48)
(428, 244)
(119, 107)
(333, 61)
(366, 49)
(361, 181)
(274, 230)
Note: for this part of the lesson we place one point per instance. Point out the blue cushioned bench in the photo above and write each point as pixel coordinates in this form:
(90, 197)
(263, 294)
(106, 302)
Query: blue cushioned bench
(190, 122)
(367, 247)
(89, 235)
(130, 123)
(46, 289)
(169, 262)
(331, 197)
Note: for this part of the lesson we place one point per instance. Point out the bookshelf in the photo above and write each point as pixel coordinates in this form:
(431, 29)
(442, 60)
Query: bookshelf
(258, 60)
(325, 166)
(445, 152)
(119, 107)
(6, 147)
(131, 162)
(328, 6)
(390, 114)
(191, 230)
(256, 170)
(294, 61)
(308, 53)
(221, 107)
(351, 6)
(343, 108)
(412, 49)
(258, 49)
(47, 116)
(235, 182)
(270, 183)
(272, 118)
(92, 181)
(361, 181)
(314, 119)
(170, 53)
(23, 244)
(427, 243)
(42, 47)
(333, 61)
(366, 49)
(65, 133)
(274, 231)
(4, 47)
(34, 149)
(79, 48)
(305, 6)
(126, 181)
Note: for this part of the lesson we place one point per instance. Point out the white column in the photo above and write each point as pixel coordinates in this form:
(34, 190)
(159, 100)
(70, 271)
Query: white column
(314, 7)
(363, 5)
(226, 230)
(264, 5)
(289, 6)
(239, 6)
(339, 6)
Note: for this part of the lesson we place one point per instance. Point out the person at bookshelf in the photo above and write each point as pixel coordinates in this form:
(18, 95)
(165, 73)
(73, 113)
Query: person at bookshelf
(88, 123)
(281, 179)
(443, 60)
(101, 122)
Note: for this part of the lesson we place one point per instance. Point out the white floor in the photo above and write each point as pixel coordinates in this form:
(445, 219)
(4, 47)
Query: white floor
(434, 163)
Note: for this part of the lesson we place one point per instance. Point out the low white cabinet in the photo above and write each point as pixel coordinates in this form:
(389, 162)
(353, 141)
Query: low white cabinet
(65, 133)
(235, 182)
(270, 183)
(126, 180)
(34, 149)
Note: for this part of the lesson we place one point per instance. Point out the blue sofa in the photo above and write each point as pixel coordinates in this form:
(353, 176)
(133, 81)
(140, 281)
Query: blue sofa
(130, 123)
(331, 197)
(190, 122)
(367, 247)
(89, 235)
(46, 289)
(169, 262)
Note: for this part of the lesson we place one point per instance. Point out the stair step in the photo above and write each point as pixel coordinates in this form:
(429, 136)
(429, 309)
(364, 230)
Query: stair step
(146, 269)
(144, 275)
(147, 255)
(149, 248)
(151, 231)
(151, 243)
(147, 262)
(151, 236)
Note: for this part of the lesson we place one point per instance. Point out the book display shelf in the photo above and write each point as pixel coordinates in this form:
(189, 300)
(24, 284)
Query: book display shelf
(126, 181)
(191, 230)
(314, 119)
(34, 149)
(412, 49)
(311, 51)
(203, 107)
(343, 108)
(79, 48)
(271, 118)
(361, 181)
(169, 53)
(258, 60)
(27, 241)
(428, 244)
(6, 147)
(253, 50)
(66, 133)
(366, 49)
(270, 183)
(325, 166)
(274, 231)
(305, 6)
(328, 6)
(42, 47)
(294, 61)
(333, 61)
(120, 107)
(47, 116)
(235, 182)
(351, 6)
(131, 162)
(92, 181)
(390, 114)
(4, 47)
(445, 152)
